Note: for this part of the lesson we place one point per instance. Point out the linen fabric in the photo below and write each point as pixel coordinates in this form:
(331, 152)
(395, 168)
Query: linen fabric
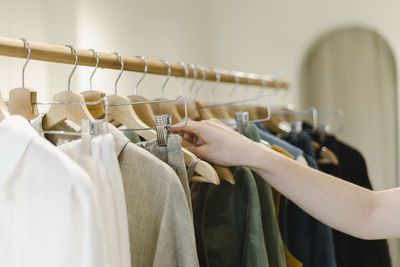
(103, 168)
(49, 214)
(160, 220)
(172, 155)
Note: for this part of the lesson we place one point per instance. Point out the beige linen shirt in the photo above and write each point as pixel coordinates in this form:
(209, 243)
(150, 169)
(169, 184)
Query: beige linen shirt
(160, 222)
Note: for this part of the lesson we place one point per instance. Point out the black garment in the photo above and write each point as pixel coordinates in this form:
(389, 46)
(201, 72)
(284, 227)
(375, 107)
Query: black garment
(199, 200)
(309, 240)
(351, 251)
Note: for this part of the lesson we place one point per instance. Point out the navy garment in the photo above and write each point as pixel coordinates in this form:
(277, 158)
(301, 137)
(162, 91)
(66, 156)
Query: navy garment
(308, 239)
(273, 140)
(351, 251)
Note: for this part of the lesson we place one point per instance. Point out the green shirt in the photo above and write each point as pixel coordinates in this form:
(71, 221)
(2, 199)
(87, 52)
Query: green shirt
(272, 236)
(233, 228)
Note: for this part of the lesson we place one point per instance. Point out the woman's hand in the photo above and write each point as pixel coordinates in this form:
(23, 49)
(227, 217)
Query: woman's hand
(215, 142)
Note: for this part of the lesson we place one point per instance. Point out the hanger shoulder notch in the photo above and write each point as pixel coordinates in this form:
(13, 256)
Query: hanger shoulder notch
(97, 110)
(22, 101)
(75, 111)
(144, 111)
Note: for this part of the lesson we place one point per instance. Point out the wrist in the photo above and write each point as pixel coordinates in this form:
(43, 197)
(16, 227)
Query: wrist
(256, 156)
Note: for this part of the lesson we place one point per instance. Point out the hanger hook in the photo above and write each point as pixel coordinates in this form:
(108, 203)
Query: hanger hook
(217, 79)
(237, 80)
(203, 78)
(194, 68)
(120, 73)
(75, 65)
(264, 82)
(97, 65)
(27, 60)
(167, 79)
(181, 87)
(144, 73)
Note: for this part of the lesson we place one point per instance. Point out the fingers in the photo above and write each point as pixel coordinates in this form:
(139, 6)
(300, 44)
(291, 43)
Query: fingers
(199, 151)
(191, 138)
(192, 127)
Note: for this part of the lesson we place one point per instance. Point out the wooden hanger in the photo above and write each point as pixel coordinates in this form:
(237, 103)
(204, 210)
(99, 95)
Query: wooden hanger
(235, 108)
(144, 111)
(192, 112)
(205, 114)
(326, 155)
(3, 109)
(22, 101)
(273, 124)
(223, 172)
(125, 114)
(91, 95)
(168, 107)
(75, 111)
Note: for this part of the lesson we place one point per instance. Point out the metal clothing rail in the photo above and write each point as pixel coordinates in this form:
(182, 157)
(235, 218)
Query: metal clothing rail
(61, 54)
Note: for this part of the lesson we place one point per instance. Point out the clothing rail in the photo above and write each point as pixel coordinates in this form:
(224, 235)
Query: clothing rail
(61, 54)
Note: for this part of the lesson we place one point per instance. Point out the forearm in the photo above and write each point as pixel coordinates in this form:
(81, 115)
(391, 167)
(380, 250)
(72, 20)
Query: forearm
(337, 203)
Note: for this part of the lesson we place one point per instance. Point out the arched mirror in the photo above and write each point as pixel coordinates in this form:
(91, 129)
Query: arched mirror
(354, 69)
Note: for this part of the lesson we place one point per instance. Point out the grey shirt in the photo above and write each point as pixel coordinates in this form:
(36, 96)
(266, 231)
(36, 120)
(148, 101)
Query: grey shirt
(173, 156)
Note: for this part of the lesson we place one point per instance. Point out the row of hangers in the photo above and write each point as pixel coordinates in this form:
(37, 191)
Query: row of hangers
(136, 112)
(89, 105)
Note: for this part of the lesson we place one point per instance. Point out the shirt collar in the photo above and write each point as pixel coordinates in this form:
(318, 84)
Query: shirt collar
(15, 136)
(120, 139)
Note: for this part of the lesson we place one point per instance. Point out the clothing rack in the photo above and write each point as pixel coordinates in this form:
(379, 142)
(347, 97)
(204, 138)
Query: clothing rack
(62, 54)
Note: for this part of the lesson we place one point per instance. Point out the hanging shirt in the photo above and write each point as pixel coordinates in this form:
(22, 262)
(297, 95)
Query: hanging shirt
(273, 140)
(173, 156)
(160, 221)
(351, 251)
(274, 244)
(199, 193)
(48, 207)
(103, 168)
(308, 239)
(233, 229)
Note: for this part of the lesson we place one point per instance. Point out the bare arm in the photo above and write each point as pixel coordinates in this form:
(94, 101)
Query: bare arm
(344, 206)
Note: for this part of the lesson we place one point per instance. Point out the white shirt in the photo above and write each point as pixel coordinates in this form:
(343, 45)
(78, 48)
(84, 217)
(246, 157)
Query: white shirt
(103, 168)
(48, 210)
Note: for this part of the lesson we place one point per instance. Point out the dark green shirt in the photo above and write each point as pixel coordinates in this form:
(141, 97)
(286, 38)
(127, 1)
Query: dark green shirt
(233, 228)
